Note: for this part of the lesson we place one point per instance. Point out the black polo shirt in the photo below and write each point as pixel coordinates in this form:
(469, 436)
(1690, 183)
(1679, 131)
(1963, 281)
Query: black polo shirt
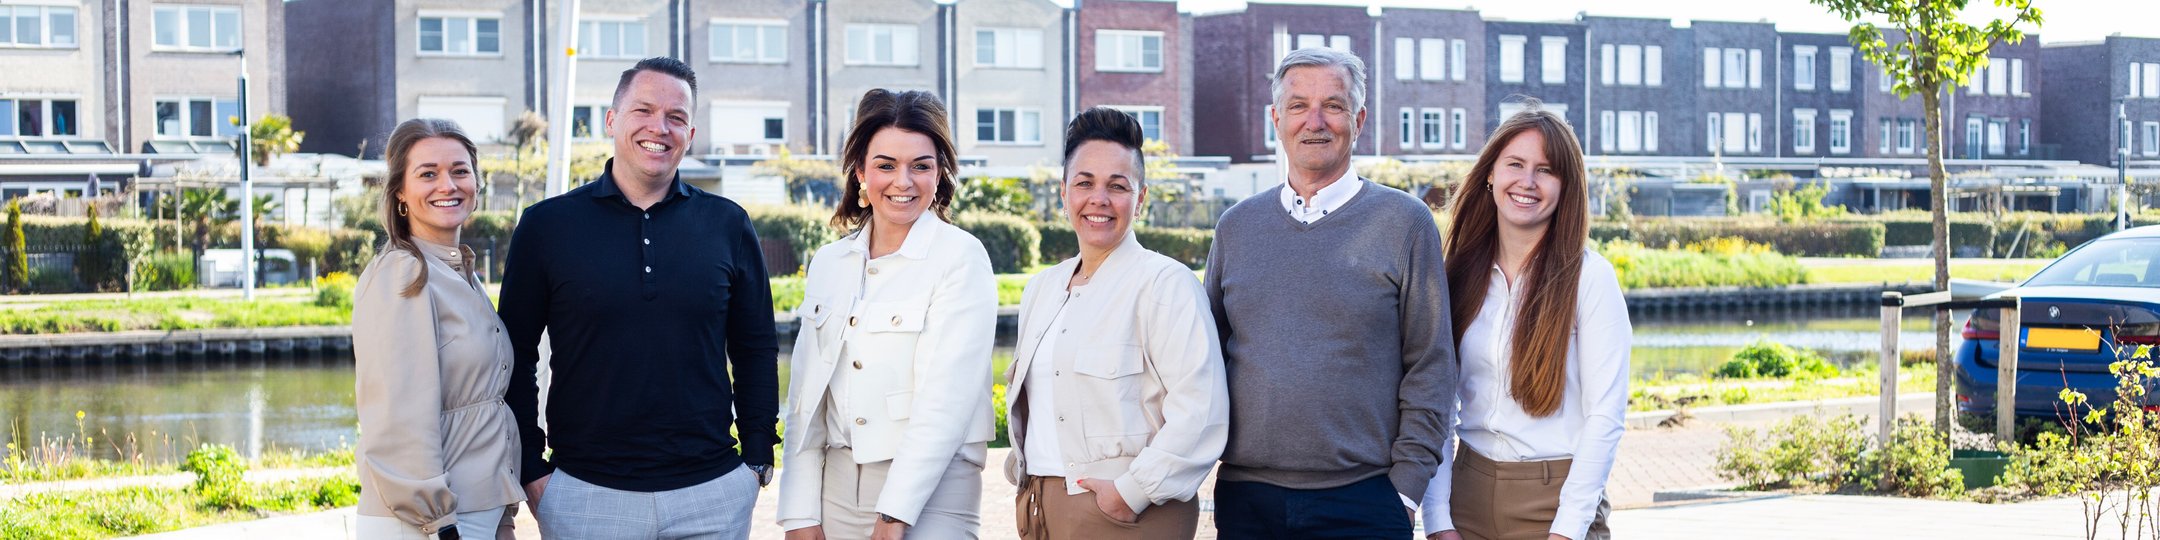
(648, 312)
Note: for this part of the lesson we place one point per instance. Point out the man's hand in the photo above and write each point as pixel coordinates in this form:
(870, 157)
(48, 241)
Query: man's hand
(813, 532)
(888, 530)
(1449, 534)
(1108, 500)
(533, 492)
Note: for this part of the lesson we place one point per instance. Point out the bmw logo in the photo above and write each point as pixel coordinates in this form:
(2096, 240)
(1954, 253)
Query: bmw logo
(2054, 312)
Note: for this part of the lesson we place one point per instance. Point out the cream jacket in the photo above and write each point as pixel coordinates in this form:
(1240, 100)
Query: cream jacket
(435, 436)
(1140, 390)
(920, 336)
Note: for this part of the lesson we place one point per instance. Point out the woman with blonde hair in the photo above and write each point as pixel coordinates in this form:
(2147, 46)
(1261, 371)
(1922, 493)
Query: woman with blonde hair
(438, 447)
(1542, 334)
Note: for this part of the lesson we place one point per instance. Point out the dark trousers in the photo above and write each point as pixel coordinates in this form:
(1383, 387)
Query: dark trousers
(1366, 509)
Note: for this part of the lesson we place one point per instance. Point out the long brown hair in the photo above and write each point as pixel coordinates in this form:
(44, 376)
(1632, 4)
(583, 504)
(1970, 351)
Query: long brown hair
(911, 111)
(1537, 364)
(397, 229)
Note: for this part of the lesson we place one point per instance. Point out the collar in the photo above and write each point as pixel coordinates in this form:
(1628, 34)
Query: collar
(1330, 198)
(1127, 250)
(916, 246)
(605, 186)
(454, 256)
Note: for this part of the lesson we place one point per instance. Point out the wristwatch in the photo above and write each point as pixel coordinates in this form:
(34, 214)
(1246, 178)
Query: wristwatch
(764, 474)
(882, 518)
(447, 533)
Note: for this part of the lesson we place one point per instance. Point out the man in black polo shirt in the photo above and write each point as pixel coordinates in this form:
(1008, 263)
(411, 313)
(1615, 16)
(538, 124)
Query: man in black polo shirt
(653, 295)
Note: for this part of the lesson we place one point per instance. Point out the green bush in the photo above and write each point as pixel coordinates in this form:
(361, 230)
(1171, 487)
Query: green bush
(219, 475)
(166, 272)
(17, 266)
(1807, 452)
(486, 229)
(1821, 239)
(1640, 267)
(350, 250)
(1004, 432)
(1186, 245)
(51, 281)
(1058, 241)
(1916, 463)
(1014, 245)
(804, 229)
(1768, 359)
(335, 291)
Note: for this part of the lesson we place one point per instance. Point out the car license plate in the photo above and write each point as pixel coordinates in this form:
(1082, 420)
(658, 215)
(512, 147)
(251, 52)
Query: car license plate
(2062, 339)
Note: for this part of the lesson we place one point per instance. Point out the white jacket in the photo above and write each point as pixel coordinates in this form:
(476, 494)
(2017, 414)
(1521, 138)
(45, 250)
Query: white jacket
(922, 332)
(1139, 387)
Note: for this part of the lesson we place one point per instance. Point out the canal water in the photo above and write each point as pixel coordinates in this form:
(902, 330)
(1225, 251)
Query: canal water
(158, 410)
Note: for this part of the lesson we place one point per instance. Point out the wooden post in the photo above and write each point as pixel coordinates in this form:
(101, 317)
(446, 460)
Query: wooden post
(2006, 368)
(1893, 308)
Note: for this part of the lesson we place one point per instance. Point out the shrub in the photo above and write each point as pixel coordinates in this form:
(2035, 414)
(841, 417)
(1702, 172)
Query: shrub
(1014, 245)
(1823, 239)
(166, 272)
(1640, 267)
(1058, 241)
(1768, 359)
(1186, 245)
(803, 229)
(1004, 432)
(51, 281)
(350, 250)
(1800, 452)
(1916, 463)
(335, 290)
(1009, 196)
(218, 475)
(17, 265)
(307, 246)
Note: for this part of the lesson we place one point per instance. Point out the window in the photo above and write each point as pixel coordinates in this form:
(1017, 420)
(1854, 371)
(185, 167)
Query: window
(39, 118)
(1649, 131)
(1882, 80)
(1711, 67)
(1408, 136)
(755, 123)
(194, 28)
(1431, 52)
(1803, 137)
(1714, 127)
(1995, 137)
(749, 42)
(37, 26)
(1405, 59)
(2137, 74)
(1906, 129)
(1150, 119)
(1019, 48)
(1841, 69)
(1754, 68)
(2152, 80)
(1458, 126)
(1840, 132)
(1735, 68)
(2025, 137)
(460, 35)
(483, 118)
(1309, 41)
(1458, 51)
(1605, 131)
(2017, 76)
(1803, 67)
(588, 122)
(1009, 126)
(1754, 132)
(1606, 59)
(1553, 61)
(1631, 65)
(1123, 50)
(1974, 129)
(1882, 140)
(1998, 77)
(197, 118)
(1432, 120)
(1630, 131)
(882, 45)
(611, 39)
(1511, 59)
(2152, 138)
(1653, 65)
(1268, 130)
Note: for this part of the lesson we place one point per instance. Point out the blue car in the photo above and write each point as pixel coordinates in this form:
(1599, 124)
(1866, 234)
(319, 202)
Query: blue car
(2086, 310)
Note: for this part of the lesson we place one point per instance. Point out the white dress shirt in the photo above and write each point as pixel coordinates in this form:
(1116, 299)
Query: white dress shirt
(1043, 455)
(1328, 199)
(1587, 427)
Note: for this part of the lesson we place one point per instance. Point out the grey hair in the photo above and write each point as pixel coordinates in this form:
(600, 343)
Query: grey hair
(1353, 70)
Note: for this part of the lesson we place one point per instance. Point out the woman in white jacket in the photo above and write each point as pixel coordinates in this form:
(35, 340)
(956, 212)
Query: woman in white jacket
(1118, 404)
(888, 418)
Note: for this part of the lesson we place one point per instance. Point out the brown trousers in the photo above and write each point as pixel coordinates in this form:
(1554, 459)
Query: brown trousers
(1046, 512)
(1496, 500)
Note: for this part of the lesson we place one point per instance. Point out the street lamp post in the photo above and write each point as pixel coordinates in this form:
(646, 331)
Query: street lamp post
(247, 189)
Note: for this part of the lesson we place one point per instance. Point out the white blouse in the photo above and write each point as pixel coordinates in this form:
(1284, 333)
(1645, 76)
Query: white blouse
(1587, 427)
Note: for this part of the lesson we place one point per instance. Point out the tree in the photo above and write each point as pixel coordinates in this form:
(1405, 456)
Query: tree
(17, 275)
(531, 128)
(204, 210)
(273, 135)
(92, 261)
(1934, 52)
(809, 181)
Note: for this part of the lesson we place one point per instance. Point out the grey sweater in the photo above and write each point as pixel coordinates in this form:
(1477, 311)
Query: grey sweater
(1336, 337)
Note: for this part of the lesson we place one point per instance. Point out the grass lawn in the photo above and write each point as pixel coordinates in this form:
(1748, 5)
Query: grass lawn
(1699, 391)
(141, 510)
(54, 461)
(1917, 270)
(175, 313)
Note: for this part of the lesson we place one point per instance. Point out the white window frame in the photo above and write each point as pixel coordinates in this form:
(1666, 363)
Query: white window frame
(1908, 135)
(1112, 46)
(1998, 78)
(1407, 127)
(1840, 131)
(45, 131)
(1803, 66)
(1803, 122)
(1841, 69)
(1754, 68)
(1975, 134)
(1511, 58)
(1405, 59)
(1138, 112)
(902, 44)
(2152, 138)
(1433, 127)
(1882, 142)
(1021, 136)
(1458, 58)
(2024, 136)
(1552, 59)
(1712, 68)
(1267, 128)
(1607, 60)
(1631, 132)
(1653, 65)
(2152, 80)
(719, 122)
(1432, 59)
(1020, 55)
(1606, 131)
(471, 20)
(1650, 131)
(1458, 128)
(183, 27)
(1631, 65)
(482, 134)
(1736, 68)
(2137, 75)
(596, 119)
(1714, 130)
(761, 53)
(590, 31)
(2017, 77)
(187, 117)
(45, 26)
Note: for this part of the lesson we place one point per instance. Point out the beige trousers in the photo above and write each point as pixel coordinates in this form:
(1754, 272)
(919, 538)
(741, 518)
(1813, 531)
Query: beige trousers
(1046, 512)
(851, 497)
(1500, 500)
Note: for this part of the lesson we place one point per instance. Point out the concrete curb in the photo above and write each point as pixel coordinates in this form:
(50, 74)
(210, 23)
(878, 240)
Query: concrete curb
(1757, 412)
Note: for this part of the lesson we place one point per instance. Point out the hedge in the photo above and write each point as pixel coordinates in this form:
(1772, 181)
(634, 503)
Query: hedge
(798, 229)
(1821, 239)
(1058, 241)
(1013, 243)
(1186, 245)
(1984, 235)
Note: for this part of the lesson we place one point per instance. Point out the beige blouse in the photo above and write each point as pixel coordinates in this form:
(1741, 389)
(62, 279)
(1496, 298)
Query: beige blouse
(435, 436)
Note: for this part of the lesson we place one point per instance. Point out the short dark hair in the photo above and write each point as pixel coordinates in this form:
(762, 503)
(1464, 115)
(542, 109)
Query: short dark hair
(1109, 125)
(911, 111)
(670, 66)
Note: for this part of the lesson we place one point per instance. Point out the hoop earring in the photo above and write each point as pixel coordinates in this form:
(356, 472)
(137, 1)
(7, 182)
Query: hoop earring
(401, 209)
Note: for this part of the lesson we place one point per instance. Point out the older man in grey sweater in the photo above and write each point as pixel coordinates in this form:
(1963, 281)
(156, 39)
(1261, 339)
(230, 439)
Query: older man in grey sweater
(1333, 313)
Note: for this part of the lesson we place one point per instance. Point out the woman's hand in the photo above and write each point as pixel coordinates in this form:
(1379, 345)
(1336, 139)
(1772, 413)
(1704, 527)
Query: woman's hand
(1449, 534)
(1108, 500)
(813, 532)
(888, 530)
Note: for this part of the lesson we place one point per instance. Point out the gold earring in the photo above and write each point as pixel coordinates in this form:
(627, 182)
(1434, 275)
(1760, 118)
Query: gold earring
(862, 199)
(401, 209)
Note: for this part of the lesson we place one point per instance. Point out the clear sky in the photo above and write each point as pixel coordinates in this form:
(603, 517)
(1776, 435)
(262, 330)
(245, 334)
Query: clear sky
(2066, 20)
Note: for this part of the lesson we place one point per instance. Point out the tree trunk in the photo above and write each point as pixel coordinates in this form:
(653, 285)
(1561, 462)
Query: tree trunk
(1938, 195)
